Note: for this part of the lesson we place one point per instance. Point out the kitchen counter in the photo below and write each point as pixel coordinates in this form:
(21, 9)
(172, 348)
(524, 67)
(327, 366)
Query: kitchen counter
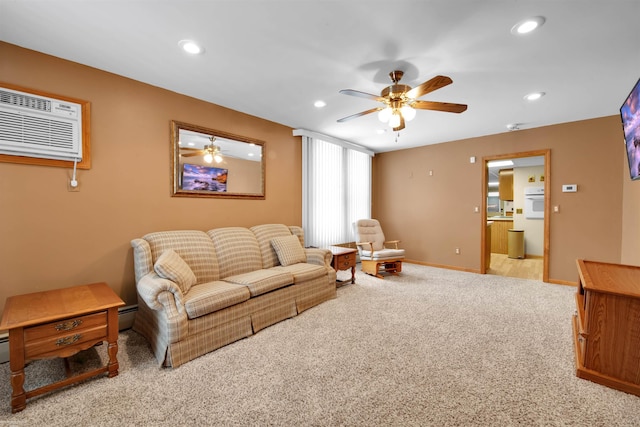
(500, 218)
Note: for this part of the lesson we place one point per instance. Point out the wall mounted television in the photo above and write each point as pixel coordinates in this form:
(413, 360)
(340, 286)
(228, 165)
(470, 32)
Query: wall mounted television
(630, 114)
(196, 177)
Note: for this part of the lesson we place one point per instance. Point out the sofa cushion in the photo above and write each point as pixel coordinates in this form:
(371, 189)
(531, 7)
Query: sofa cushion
(193, 246)
(264, 234)
(289, 250)
(262, 281)
(237, 250)
(303, 271)
(209, 297)
(171, 267)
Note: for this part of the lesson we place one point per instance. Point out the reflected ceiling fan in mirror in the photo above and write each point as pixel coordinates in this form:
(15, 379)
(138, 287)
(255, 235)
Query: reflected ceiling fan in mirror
(401, 101)
(210, 152)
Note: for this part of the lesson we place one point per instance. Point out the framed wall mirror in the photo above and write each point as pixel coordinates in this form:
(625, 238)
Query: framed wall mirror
(212, 163)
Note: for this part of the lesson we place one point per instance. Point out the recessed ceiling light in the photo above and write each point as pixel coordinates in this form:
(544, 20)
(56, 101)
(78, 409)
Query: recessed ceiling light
(534, 96)
(319, 104)
(191, 47)
(527, 25)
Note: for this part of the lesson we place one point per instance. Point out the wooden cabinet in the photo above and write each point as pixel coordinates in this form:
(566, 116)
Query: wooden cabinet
(499, 234)
(605, 325)
(59, 323)
(505, 184)
(344, 259)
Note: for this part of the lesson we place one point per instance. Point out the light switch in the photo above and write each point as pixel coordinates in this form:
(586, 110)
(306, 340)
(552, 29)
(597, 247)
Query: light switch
(569, 188)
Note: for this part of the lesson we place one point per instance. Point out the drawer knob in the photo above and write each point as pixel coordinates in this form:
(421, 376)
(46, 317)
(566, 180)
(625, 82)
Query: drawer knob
(67, 326)
(68, 340)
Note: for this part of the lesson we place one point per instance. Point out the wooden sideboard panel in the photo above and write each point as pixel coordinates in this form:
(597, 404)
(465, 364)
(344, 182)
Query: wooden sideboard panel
(606, 325)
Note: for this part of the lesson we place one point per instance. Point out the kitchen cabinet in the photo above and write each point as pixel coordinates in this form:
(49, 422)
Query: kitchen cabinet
(499, 236)
(505, 184)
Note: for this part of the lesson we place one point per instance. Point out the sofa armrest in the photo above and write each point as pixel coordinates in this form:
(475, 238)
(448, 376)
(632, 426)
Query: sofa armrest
(319, 256)
(165, 298)
(151, 286)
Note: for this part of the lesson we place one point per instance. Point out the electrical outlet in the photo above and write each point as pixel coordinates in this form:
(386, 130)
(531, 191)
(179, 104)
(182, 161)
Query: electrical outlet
(457, 251)
(71, 188)
(430, 173)
(476, 209)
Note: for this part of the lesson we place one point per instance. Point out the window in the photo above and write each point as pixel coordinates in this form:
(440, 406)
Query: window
(336, 189)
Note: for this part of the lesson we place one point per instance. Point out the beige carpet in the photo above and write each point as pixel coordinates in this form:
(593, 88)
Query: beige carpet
(431, 347)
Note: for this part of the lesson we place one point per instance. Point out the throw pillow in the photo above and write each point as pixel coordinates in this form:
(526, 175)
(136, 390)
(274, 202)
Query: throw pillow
(289, 250)
(171, 267)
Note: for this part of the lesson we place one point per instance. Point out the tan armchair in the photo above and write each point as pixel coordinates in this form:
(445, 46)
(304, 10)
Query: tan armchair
(375, 252)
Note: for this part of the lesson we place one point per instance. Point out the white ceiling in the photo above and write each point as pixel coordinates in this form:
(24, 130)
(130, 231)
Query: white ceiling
(274, 58)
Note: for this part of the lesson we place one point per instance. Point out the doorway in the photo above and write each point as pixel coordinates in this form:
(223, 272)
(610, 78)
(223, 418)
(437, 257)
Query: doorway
(494, 208)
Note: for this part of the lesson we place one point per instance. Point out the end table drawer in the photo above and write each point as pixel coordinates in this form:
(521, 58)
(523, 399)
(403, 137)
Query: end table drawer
(64, 327)
(346, 260)
(65, 336)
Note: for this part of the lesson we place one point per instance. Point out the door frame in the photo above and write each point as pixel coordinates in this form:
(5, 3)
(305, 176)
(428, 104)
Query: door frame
(547, 210)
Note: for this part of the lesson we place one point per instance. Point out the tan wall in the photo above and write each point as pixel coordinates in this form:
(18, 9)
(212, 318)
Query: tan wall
(50, 237)
(630, 218)
(433, 215)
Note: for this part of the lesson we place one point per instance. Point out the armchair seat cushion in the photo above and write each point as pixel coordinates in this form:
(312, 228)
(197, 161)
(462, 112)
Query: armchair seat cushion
(262, 281)
(209, 297)
(303, 272)
(382, 254)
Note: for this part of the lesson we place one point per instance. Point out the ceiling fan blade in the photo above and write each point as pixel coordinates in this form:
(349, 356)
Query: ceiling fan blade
(429, 86)
(373, 110)
(400, 126)
(191, 154)
(190, 148)
(439, 106)
(361, 94)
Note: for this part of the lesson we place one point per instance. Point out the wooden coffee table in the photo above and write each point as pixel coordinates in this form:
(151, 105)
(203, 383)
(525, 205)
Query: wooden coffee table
(59, 323)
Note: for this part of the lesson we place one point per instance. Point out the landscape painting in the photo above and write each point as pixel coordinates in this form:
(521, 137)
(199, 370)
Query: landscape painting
(204, 178)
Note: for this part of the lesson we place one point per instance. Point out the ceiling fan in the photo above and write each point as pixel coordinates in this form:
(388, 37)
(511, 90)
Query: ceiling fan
(210, 152)
(400, 101)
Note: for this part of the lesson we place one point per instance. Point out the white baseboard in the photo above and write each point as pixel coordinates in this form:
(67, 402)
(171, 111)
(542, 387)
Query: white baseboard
(126, 316)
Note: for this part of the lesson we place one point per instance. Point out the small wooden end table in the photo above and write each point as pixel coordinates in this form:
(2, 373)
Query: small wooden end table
(343, 259)
(59, 323)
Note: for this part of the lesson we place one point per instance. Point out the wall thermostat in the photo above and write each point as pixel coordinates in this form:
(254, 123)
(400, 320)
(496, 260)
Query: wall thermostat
(570, 188)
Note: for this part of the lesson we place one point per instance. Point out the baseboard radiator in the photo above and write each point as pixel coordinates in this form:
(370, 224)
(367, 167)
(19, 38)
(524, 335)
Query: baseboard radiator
(126, 315)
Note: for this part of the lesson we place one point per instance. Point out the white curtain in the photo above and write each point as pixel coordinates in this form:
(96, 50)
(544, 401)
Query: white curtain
(336, 190)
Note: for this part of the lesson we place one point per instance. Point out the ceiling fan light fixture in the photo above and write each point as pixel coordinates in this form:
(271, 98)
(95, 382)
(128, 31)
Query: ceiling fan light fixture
(385, 114)
(408, 112)
(208, 157)
(217, 158)
(394, 120)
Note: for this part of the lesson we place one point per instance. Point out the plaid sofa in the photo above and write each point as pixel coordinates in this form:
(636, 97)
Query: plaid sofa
(240, 286)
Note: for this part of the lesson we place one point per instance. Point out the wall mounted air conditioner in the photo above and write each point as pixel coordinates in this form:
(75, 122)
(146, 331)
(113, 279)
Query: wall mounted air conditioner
(38, 126)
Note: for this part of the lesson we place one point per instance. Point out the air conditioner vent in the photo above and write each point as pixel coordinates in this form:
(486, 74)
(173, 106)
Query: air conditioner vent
(26, 101)
(37, 126)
